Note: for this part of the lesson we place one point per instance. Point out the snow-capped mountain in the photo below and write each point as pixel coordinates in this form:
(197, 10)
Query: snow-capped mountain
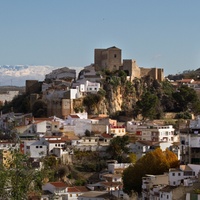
(18, 74)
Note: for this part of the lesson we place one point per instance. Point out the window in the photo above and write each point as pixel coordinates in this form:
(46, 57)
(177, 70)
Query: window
(167, 196)
(70, 195)
(40, 146)
(36, 147)
(173, 174)
(179, 174)
(55, 126)
(115, 55)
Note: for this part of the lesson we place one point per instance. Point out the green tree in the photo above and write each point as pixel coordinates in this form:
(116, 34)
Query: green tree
(39, 109)
(18, 178)
(118, 148)
(91, 101)
(155, 163)
(185, 97)
(148, 105)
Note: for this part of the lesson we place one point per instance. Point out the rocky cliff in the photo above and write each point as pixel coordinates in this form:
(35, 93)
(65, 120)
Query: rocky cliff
(118, 95)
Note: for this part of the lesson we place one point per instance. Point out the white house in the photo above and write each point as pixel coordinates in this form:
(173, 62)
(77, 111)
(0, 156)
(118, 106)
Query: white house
(57, 188)
(131, 126)
(185, 172)
(113, 167)
(96, 195)
(157, 133)
(6, 145)
(151, 184)
(63, 191)
(62, 73)
(54, 142)
(88, 143)
(38, 149)
(166, 193)
(27, 146)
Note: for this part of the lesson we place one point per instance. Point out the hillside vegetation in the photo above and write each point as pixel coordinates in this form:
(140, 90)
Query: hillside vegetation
(118, 96)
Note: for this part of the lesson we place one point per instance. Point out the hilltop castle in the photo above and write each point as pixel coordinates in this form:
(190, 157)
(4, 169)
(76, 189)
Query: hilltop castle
(111, 59)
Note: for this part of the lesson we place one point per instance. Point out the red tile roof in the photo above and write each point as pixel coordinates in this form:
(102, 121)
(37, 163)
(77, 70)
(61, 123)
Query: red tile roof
(105, 135)
(58, 184)
(78, 189)
(82, 188)
(74, 116)
(56, 141)
(72, 189)
(111, 184)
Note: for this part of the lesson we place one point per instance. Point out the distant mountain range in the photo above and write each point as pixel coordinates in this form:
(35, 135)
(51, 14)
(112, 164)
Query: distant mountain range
(16, 75)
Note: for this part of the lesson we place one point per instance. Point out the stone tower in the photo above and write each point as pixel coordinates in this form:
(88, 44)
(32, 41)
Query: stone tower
(109, 58)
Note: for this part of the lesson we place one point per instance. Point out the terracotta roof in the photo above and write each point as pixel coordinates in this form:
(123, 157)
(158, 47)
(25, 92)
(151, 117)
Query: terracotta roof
(82, 188)
(105, 135)
(72, 189)
(58, 184)
(74, 116)
(56, 141)
(77, 189)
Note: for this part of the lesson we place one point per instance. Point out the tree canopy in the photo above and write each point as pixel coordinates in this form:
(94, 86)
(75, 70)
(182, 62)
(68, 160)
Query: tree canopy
(155, 162)
(148, 105)
(18, 177)
(118, 148)
(185, 97)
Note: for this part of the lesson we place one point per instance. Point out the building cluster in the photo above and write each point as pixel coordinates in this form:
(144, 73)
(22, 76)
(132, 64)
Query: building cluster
(40, 137)
(62, 86)
(66, 131)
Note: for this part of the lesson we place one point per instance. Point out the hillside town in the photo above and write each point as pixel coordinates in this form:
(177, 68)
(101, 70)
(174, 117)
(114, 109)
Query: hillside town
(88, 151)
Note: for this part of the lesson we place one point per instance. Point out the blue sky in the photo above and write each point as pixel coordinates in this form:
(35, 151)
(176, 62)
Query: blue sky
(163, 34)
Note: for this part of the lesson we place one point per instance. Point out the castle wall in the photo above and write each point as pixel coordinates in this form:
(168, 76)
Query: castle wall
(155, 73)
(33, 98)
(131, 67)
(67, 107)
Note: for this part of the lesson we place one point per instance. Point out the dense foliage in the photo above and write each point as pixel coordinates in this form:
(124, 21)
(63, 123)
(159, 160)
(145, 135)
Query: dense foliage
(18, 177)
(146, 97)
(155, 163)
(118, 148)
